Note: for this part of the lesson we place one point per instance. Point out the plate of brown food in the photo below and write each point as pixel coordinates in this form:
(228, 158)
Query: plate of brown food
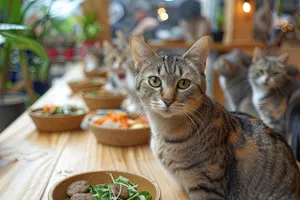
(119, 129)
(53, 118)
(105, 185)
(87, 85)
(102, 99)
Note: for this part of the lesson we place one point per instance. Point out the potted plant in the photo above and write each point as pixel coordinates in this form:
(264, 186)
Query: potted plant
(14, 38)
(90, 29)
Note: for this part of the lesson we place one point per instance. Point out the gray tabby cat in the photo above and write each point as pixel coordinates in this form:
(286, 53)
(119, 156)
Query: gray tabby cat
(233, 78)
(121, 75)
(212, 153)
(274, 93)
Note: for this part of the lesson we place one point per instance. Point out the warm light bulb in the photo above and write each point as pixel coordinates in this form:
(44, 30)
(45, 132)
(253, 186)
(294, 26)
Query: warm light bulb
(163, 16)
(246, 7)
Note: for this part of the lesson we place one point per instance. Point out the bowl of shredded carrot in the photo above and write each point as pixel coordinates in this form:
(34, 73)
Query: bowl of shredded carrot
(118, 129)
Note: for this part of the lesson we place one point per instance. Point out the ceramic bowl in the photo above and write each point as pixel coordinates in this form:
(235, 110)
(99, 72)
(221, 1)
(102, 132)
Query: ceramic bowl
(58, 191)
(56, 123)
(103, 101)
(120, 137)
(96, 73)
(86, 85)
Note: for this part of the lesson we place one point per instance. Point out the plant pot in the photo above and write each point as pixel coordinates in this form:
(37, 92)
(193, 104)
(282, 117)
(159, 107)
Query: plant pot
(12, 105)
(218, 36)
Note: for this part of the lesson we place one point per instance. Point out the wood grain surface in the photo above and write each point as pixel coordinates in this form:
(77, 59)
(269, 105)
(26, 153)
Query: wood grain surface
(32, 161)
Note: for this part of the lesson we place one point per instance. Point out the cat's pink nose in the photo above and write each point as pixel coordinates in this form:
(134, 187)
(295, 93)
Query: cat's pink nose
(266, 81)
(168, 102)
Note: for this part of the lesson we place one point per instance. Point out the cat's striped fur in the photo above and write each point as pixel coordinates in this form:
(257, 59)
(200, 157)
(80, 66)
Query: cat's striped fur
(212, 153)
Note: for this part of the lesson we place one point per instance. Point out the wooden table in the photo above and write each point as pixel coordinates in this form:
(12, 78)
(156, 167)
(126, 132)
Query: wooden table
(32, 161)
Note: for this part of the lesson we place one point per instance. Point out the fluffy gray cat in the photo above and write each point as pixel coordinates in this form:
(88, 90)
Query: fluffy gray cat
(233, 77)
(212, 153)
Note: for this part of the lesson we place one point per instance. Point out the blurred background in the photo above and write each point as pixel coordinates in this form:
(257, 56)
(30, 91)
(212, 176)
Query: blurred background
(41, 39)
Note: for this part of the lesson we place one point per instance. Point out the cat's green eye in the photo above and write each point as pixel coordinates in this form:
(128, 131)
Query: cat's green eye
(183, 84)
(260, 72)
(275, 73)
(154, 81)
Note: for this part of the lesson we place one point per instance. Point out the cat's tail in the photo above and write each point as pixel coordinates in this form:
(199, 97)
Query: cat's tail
(292, 118)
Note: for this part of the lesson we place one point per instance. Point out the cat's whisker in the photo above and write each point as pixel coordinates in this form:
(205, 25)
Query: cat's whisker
(200, 121)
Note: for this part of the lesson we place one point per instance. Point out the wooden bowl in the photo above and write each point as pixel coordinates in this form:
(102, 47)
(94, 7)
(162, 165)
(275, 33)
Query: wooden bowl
(104, 101)
(85, 86)
(56, 123)
(96, 73)
(58, 191)
(120, 137)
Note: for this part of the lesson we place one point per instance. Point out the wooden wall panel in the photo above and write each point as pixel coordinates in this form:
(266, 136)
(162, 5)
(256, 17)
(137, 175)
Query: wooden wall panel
(238, 24)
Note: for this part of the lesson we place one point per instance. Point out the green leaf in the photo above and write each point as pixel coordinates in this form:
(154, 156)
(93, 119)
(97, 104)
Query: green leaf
(15, 15)
(25, 43)
(89, 18)
(122, 179)
(145, 196)
(4, 10)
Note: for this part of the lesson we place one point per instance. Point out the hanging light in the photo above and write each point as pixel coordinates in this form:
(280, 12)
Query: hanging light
(246, 6)
(161, 10)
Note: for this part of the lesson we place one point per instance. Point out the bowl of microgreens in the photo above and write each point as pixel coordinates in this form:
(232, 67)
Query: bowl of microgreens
(87, 85)
(53, 118)
(105, 185)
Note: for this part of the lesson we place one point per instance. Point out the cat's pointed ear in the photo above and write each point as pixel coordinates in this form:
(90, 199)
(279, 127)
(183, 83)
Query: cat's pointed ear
(283, 58)
(198, 53)
(141, 52)
(257, 54)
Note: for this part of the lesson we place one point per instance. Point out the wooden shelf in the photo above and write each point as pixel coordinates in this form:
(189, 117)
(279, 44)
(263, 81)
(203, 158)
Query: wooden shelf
(221, 47)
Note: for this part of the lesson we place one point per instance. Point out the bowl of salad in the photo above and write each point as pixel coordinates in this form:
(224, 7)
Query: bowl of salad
(87, 85)
(52, 118)
(105, 185)
(102, 100)
(119, 129)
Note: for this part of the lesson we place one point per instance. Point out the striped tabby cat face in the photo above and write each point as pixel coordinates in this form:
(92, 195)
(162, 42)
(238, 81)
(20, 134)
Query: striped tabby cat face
(269, 72)
(170, 85)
